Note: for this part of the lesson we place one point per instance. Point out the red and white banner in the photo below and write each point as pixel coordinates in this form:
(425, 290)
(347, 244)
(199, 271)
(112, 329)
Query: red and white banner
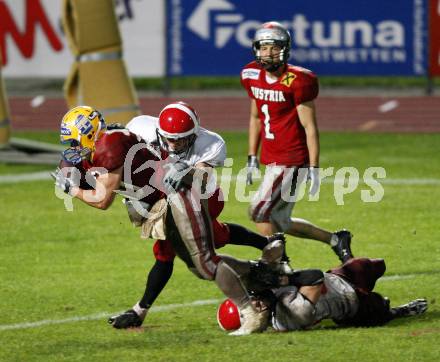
(434, 38)
(33, 45)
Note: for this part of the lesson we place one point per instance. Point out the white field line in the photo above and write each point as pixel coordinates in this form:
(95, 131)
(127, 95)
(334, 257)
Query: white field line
(103, 315)
(153, 309)
(45, 175)
(25, 177)
(396, 277)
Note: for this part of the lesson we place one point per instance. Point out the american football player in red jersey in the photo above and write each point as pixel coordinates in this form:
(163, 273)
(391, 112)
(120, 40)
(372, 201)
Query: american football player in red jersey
(187, 220)
(283, 123)
(177, 131)
(300, 299)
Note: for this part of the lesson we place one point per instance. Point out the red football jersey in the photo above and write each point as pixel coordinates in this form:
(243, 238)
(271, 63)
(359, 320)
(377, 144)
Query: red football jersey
(283, 138)
(111, 152)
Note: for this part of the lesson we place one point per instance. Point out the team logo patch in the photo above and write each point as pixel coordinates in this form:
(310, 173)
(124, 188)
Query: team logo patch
(250, 74)
(83, 124)
(65, 131)
(288, 79)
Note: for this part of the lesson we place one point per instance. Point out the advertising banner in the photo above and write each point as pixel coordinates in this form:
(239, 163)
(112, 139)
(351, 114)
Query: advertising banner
(434, 36)
(33, 44)
(362, 37)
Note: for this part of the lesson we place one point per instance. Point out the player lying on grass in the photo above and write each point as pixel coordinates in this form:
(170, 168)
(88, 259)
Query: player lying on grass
(295, 300)
(159, 188)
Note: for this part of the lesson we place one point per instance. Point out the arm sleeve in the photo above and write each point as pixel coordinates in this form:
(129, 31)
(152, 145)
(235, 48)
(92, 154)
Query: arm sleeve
(111, 150)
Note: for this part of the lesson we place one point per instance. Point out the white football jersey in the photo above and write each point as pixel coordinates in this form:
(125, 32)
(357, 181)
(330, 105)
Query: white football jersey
(209, 147)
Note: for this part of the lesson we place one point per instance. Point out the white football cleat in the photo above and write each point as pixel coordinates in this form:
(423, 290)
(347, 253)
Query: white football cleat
(252, 321)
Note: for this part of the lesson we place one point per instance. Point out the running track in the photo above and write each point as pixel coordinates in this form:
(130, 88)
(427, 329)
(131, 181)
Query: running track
(367, 114)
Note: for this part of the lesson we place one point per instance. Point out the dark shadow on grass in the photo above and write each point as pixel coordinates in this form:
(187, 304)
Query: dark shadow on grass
(328, 325)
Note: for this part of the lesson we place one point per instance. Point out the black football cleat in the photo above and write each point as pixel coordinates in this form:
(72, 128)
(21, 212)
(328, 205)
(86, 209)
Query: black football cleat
(128, 319)
(342, 248)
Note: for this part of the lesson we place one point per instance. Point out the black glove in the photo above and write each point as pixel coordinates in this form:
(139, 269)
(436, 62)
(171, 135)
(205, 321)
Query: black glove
(252, 165)
(127, 319)
(173, 179)
(262, 274)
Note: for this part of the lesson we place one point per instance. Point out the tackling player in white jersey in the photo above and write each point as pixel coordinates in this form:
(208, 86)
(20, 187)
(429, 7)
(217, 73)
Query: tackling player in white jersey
(183, 139)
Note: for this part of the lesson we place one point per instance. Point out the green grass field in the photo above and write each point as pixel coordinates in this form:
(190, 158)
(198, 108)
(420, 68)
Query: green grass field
(63, 273)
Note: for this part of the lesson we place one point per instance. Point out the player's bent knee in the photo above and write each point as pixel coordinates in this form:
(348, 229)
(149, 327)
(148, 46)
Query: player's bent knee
(205, 271)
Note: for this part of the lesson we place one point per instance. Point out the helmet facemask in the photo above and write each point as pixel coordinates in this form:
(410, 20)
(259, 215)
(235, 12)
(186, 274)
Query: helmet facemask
(177, 128)
(272, 34)
(273, 62)
(183, 147)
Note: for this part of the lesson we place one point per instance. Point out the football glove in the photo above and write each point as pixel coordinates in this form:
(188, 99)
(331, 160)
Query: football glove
(313, 178)
(263, 275)
(64, 182)
(173, 179)
(252, 165)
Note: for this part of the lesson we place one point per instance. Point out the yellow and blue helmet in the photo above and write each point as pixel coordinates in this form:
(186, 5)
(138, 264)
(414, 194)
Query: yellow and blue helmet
(81, 127)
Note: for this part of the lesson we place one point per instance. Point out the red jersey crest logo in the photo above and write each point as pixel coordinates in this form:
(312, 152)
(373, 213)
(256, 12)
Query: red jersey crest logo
(288, 79)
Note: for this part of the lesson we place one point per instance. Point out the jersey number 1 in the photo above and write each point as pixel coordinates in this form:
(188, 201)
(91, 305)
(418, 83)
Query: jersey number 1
(268, 134)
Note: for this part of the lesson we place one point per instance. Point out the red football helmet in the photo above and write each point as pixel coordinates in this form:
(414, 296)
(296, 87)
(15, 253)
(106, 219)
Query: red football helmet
(228, 316)
(178, 127)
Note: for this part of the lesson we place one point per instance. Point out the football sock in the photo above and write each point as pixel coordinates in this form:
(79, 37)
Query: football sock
(239, 235)
(158, 277)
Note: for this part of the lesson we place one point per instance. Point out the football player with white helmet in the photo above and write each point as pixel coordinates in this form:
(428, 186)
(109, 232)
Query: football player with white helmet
(186, 224)
(301, 299)
(177, 130)
(283, 122)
